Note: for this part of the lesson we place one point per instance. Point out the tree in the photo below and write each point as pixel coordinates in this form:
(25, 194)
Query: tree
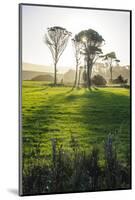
(92, 42)
(79, 77)
(77, 48)
(110, 58)
(56, 39)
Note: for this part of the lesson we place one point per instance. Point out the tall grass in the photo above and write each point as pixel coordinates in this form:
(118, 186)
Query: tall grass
(78, 171)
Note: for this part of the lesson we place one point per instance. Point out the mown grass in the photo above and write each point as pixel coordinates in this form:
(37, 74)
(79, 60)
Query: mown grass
(58, 112)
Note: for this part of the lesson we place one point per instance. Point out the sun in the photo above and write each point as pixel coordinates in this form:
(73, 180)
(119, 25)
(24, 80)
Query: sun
(84, 39)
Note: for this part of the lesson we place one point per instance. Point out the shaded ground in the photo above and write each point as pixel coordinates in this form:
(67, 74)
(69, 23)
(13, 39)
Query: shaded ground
(59, 113)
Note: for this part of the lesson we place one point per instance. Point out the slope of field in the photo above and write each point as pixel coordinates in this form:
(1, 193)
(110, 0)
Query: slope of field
(49, 112)
(28, 75)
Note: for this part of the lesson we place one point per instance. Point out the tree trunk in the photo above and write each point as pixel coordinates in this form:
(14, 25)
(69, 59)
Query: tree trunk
(85, 78)
(55, 74)
(88, 78)
(111, 73)
(75, 82)
(88, 74)
(79, 78)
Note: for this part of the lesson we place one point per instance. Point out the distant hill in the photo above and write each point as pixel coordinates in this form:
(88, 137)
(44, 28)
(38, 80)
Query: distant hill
(46, 77)
(31, 71)
(36, 67)
(69, 76)
(29, 75)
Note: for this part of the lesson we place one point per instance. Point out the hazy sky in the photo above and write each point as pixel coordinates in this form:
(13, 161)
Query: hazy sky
(113, 26)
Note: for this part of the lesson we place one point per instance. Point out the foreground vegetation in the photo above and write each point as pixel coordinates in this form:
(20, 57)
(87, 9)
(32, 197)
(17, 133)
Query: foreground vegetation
(78, 171)
(60, 114)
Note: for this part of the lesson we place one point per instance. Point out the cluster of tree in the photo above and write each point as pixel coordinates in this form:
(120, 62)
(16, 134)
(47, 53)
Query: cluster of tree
(103, 70)
(87, 45)
(99, 80)
(111, 59)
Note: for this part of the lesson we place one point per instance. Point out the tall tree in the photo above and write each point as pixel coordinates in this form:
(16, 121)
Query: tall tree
(77, 48)
(56, 39)
(85, 73)
(111, 59)
(79, 77)
(92, 43)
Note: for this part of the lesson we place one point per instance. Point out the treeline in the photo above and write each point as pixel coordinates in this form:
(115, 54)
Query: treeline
(87, 45)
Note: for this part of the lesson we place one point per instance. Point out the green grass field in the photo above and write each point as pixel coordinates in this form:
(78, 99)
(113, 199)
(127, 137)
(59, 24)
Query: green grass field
(57, 112)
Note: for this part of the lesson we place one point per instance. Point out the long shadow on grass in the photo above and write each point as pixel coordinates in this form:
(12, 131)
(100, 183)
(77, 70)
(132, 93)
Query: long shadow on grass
(98, 107)
(41, 123)
(103, 112)
(94, 112)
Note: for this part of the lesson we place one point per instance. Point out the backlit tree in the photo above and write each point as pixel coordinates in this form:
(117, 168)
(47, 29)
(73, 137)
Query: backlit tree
(56, 39)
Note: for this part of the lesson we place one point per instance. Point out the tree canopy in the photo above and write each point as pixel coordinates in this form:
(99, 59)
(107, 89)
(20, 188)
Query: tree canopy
(56, 39)
(91, 42)
(110, 58)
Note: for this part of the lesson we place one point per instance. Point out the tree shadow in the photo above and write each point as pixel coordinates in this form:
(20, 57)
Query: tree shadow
(105, 112)
(42, 121)
(97, 112)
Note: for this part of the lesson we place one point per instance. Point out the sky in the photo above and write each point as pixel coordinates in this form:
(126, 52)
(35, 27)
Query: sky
(114, 26)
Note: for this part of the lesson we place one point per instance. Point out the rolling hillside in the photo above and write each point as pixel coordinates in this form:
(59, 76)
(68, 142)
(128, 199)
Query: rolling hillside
(31, 71)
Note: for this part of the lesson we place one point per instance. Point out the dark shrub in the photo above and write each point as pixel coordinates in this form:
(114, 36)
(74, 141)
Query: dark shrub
(120, 80)
(98, 80)
(37, 181)
(116, 175)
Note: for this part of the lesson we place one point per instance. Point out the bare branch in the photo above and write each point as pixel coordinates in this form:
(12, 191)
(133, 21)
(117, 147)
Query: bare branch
(56, 39)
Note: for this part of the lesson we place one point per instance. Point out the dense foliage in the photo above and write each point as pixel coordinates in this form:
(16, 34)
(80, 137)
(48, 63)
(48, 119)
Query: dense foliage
(99, 80)
(120, 80)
